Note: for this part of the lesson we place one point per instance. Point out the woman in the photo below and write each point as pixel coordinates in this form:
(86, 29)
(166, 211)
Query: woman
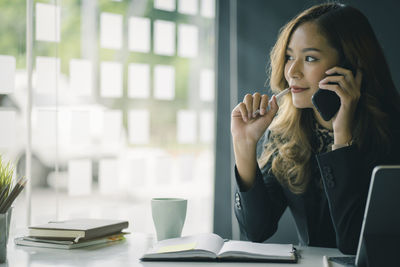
(293, 158)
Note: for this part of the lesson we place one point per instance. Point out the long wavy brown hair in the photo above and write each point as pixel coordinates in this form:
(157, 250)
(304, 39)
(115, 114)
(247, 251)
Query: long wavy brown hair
(349, 32)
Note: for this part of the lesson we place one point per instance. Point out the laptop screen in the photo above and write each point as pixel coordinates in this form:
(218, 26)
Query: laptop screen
(380, 231)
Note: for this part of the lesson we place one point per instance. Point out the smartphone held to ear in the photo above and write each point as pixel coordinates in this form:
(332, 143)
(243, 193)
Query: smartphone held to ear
(326, 102)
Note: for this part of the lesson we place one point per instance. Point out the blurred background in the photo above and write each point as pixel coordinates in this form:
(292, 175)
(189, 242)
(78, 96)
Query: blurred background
(122, 107)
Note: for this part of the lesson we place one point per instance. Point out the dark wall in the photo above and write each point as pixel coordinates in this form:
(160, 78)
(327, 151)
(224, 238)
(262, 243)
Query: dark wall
(384, 18)
(259, 21)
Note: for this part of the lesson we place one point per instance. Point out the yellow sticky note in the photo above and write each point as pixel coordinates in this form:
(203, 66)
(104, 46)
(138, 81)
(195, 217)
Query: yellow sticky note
(176, 248)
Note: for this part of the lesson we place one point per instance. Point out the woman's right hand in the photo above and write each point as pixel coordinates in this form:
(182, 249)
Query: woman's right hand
(247, 127)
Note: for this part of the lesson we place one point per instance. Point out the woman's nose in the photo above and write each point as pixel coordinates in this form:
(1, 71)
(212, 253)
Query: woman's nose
(295, 70)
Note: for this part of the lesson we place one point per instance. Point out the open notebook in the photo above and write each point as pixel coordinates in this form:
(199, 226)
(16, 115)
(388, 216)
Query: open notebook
(211, 247)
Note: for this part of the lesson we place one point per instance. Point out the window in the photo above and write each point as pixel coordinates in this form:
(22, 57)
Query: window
(122, 107)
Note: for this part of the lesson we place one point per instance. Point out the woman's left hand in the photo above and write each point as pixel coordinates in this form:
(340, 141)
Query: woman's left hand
(348, 88)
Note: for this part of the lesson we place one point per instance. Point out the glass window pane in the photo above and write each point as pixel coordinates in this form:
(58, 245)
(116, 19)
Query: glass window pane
(139, 126)
(135, 172)
(168, 5)
(111, 79)
(44, 127)
(111, 31)
(8, 131)
(189, 7)
(186, 127)
(47, 74)
(163, 169)
(47, 22)
(139, 80)
(80, 127)
(164, 82)
(208, 8)
(79, 177)
(139, 34)
(186, 164)
(112, 127)
(206, 126)
(7, 74)
(188, 40)
(164, 37)
(108, 176)
(207, 85)
(80, 77)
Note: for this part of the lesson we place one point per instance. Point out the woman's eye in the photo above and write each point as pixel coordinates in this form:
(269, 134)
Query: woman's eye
(310, 59)
(289, 57)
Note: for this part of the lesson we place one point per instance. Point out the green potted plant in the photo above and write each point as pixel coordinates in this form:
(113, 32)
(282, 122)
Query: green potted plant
(6, 174)
(8, 193)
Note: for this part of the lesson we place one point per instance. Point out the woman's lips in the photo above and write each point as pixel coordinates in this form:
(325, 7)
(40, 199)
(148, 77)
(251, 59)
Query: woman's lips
(297, 89)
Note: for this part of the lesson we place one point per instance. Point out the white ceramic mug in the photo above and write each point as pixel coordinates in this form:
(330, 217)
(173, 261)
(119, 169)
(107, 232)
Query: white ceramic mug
(168, 216)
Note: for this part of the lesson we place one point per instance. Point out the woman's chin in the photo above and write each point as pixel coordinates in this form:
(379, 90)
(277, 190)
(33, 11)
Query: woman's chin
(302, 104)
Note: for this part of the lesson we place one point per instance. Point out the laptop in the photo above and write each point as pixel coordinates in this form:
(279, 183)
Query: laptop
(380, 231)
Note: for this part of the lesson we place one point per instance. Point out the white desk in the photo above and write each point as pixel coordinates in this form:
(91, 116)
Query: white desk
(127, 253)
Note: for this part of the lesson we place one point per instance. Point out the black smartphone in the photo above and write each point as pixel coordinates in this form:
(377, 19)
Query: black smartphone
(328, 102)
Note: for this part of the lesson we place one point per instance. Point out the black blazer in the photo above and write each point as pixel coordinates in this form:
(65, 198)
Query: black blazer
(328, 215)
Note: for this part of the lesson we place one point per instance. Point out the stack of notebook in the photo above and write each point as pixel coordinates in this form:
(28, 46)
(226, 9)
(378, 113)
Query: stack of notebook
(74, 233)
